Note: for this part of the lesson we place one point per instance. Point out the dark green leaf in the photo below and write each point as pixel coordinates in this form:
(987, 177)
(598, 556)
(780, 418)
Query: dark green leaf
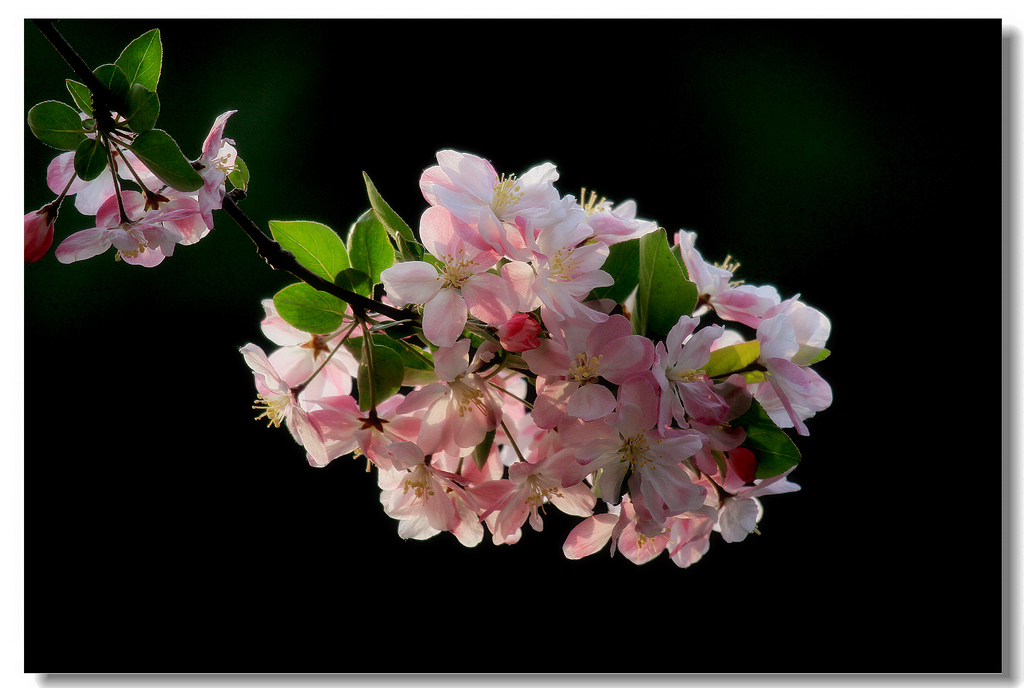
(663, 293)
(56, 124)
(317, 247)
(388, 372)
(395, 225)
(116, 81)
(483, 450)
(90, 159)
(623, 264)
(141, 60)
(355, 281)
(368, 247)
(158, 151)
(239, 177)
(144, 109)
(81, 95)
(417, 370)
(775, 451)
(308, 309)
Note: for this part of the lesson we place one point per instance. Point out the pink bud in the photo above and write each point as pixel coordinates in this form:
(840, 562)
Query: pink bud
(520, 333)
(39, 233)
(744, 463)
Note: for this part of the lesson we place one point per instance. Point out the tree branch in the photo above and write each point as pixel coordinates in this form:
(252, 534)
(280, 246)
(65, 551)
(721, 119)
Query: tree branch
(100, 92)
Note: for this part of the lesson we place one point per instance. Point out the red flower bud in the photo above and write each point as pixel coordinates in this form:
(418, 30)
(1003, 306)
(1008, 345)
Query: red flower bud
(520, 333)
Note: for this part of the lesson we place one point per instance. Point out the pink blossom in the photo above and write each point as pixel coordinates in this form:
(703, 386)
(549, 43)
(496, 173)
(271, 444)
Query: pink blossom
(741, 510)
(730, 301)
(570, 370)
(300, 354)
(425, 499)
(519, 333)
(630, 441)
(614, 224)
(461, 408)
(217, 161)
(90, 195)
(279, 404)
(522, 496)
(39, 232)
(686, 391)
(617, 526)
(346, 428)
(790, 336)
(564, 269)
(488, 204)
(459, 286)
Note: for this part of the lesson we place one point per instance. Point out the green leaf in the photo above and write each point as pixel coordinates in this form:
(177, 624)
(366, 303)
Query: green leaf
(483, 450)
(663, 293)
(115, 79)
(141, 60)
(732, 359)
(158, 151)
(90, 159)
(144, 109)
(239, 177)
(825, 353)
(623, 264)
(417, 370)
(81, 95)
(396, 227)
(368, 247)
(355, 281)
(775, 451)
(388, 372)
(56, 124)
(308, 309)
(317, 247)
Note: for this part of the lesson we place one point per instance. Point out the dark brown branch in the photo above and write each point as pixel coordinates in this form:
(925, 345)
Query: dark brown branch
(100, 92)
(280, 259)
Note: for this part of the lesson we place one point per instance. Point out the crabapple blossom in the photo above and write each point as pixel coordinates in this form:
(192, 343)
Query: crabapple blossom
(614, 224)
(488, 204)
(460, 408)
(564, 269)
(279, 404)
(529, 486)
(460, 285)
(90, 195)
(730, 301)
(145, 241)
(347, 428)
(740, 511)
(39, 232)
(216, 162)
(686, 392)
(570, 371)
(425, 499)
(791, 336)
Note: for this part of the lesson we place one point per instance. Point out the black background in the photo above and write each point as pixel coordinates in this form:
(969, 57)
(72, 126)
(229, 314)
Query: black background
(854, 162)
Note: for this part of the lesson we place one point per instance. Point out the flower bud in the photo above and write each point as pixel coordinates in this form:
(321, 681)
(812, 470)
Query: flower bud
(39, 233)
(520, 333)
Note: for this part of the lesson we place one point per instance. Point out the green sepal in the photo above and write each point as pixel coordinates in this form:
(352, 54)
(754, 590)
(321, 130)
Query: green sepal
(90, 159)
(144, 109)
(141, 61)
(775, 451)
(239, 176)
(623, 264)
(663, 292)
(158, 151)
(732, 359)
(317, 247)
(309, 309)
(388, 373)
(404, 239)
(56, 124)
(483, 450)
(368, 247)
(81, 95)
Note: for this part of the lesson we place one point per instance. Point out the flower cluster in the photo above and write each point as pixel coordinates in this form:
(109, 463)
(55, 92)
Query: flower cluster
(142, 226)
(528, 388)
